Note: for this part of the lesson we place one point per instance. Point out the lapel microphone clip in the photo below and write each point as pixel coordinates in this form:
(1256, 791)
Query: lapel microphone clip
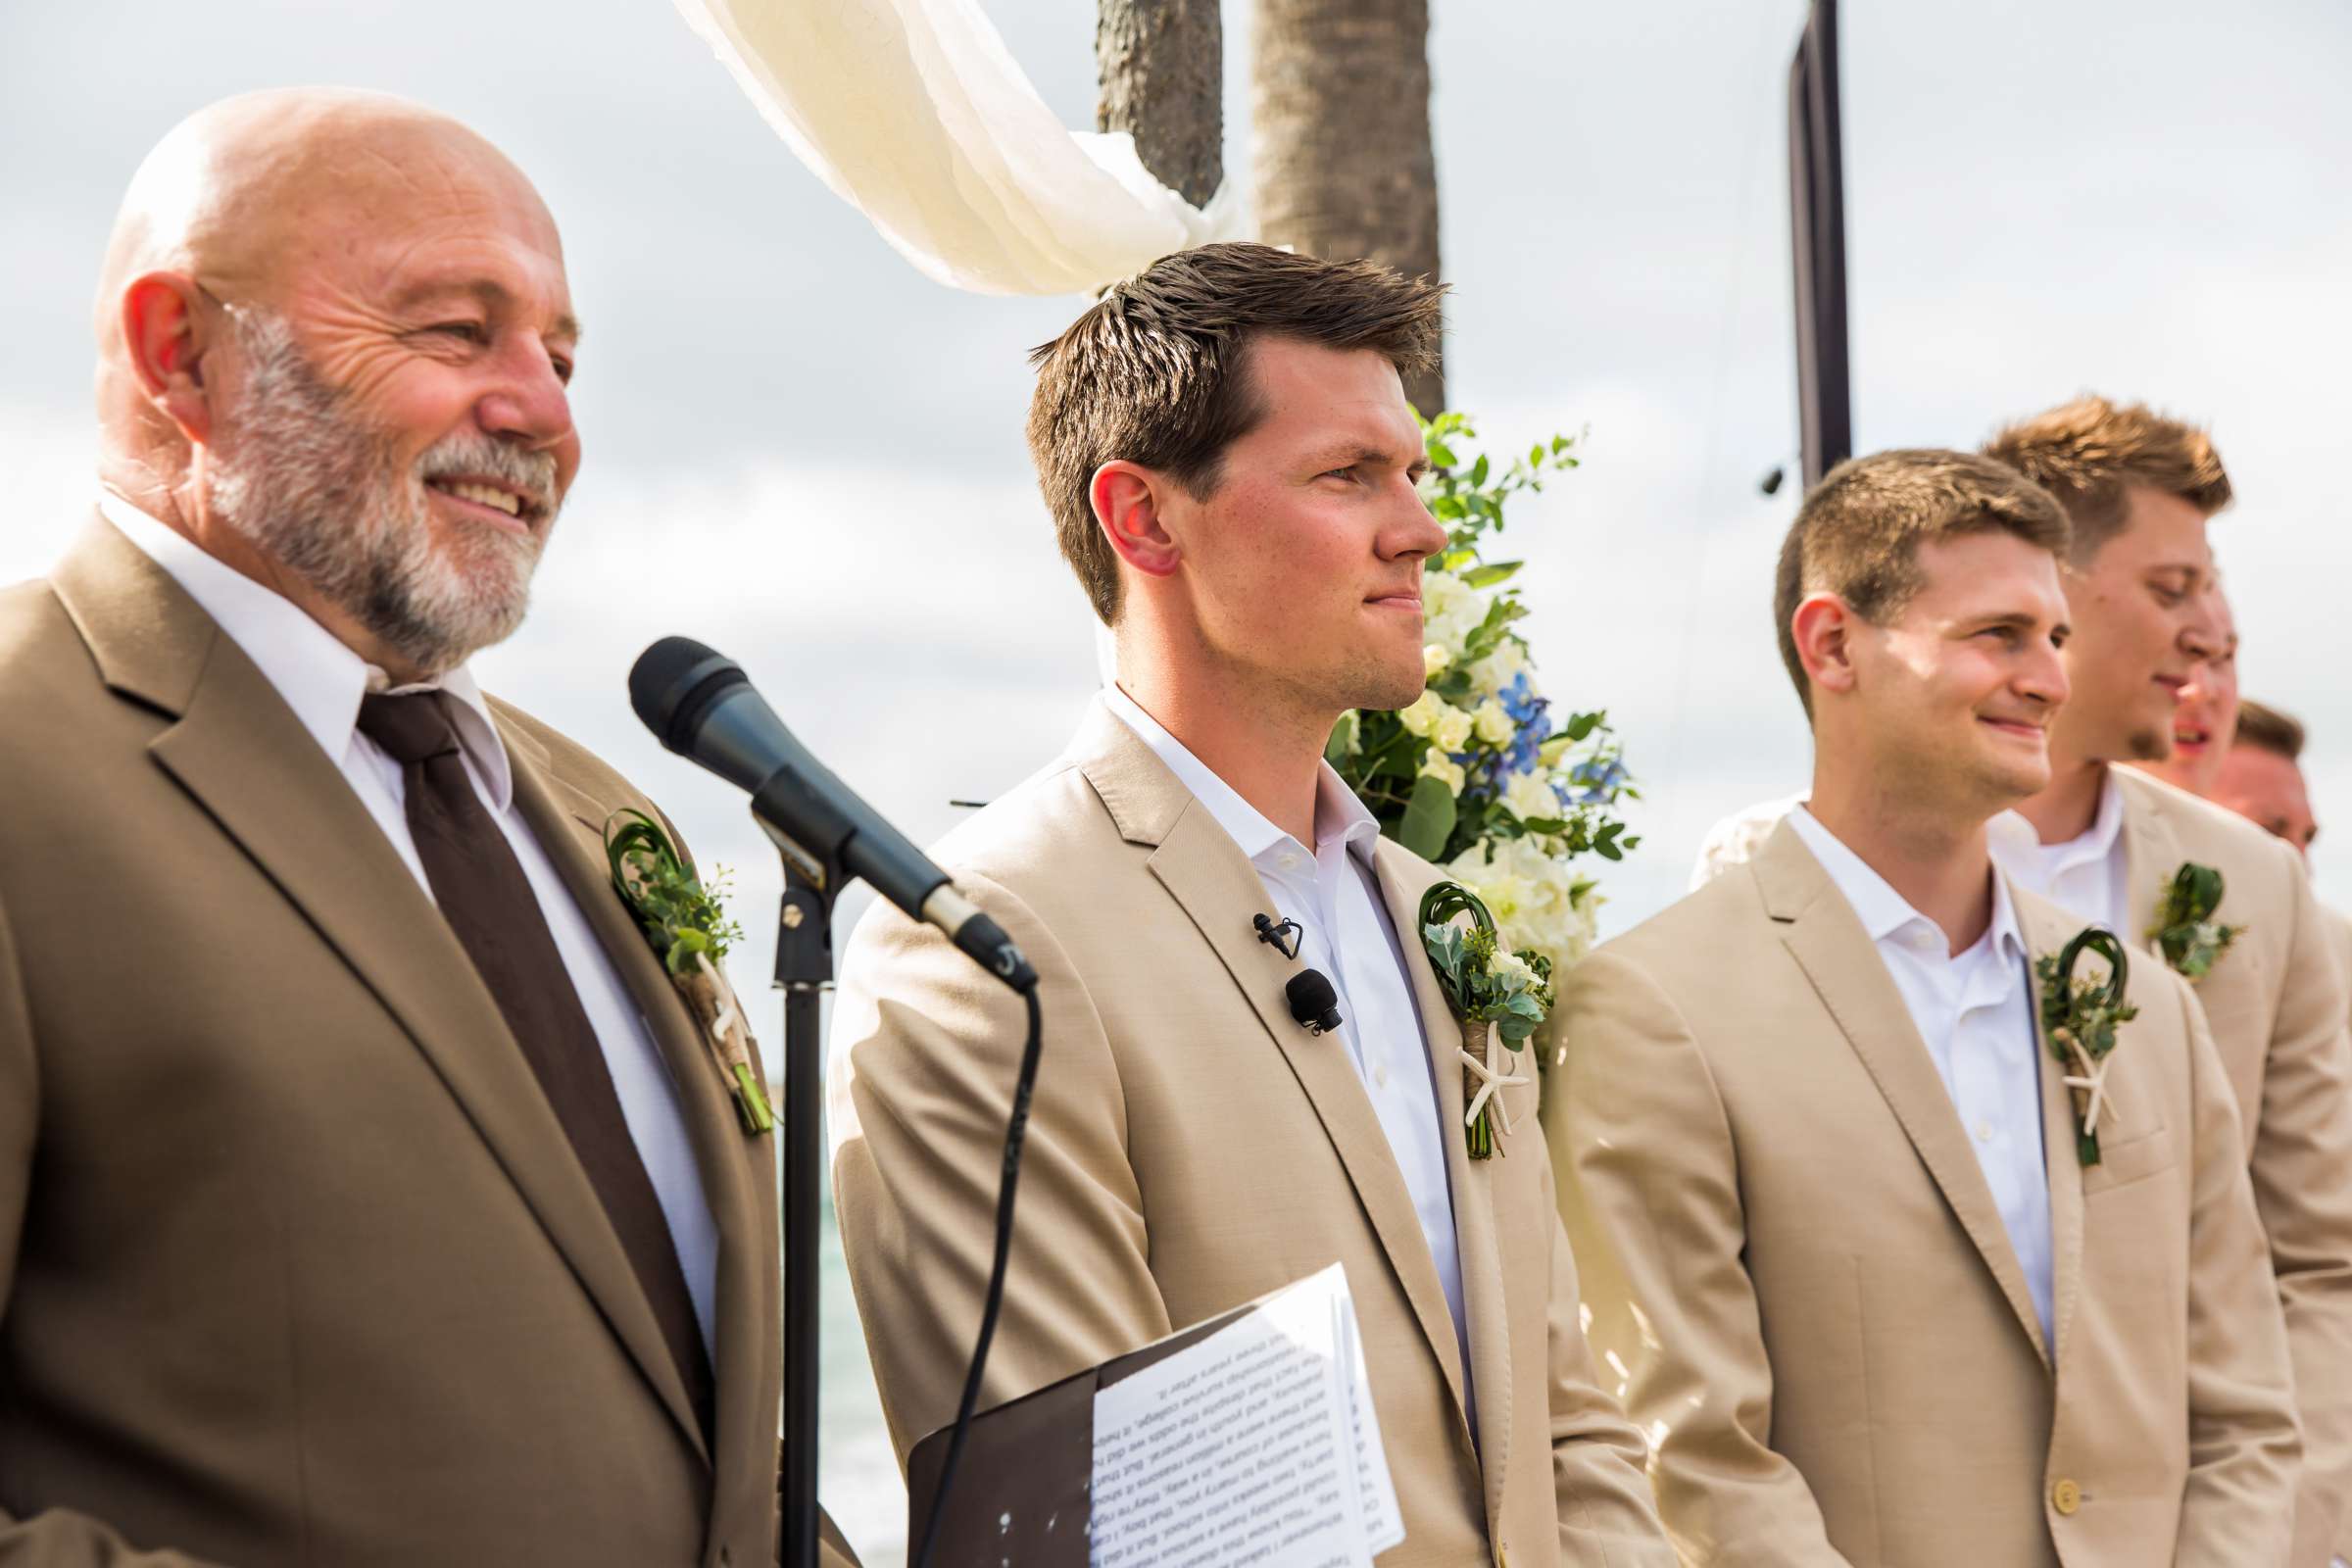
(1283, 938)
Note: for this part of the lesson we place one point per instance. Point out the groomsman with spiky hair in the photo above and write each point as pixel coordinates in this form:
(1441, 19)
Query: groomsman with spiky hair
(1915, 1220)
(2217, 898)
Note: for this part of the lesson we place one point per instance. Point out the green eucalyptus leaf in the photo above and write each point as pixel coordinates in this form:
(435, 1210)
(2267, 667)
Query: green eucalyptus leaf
(1346, 737)
(1427, 818)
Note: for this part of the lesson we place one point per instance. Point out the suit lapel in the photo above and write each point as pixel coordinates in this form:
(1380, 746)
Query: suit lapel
(240, 753)
(2151, 855)
(569, 824)
(1828, 942)
(1205, 872)
(1485, 1304)
(2046, 933)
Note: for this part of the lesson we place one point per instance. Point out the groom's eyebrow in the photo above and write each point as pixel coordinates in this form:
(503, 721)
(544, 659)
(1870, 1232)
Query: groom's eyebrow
(1340, 457)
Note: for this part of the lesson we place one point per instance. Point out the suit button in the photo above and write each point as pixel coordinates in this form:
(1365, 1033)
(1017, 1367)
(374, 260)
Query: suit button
(726, 1555)
(2066, 1496)
(1502, 1557)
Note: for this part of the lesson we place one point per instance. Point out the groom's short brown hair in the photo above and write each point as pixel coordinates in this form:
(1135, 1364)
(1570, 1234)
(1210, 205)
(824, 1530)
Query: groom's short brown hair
(1858, 534)
(1154, 373)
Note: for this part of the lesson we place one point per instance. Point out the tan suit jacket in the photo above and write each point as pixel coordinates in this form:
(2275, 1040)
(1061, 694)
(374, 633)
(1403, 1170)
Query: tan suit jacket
(2341, 924)
(1821, 1320)
(2277, 1004)
(1190, 1148)
(296, 1265)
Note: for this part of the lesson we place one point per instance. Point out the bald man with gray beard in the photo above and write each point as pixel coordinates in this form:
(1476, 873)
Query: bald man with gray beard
(368, 1193)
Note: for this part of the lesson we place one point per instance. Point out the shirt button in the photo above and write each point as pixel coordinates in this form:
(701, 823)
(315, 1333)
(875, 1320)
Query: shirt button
(1380, 1076)
(1983, 1132)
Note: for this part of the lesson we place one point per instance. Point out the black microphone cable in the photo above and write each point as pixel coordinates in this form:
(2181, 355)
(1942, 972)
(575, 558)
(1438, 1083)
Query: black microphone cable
(1016, 1133)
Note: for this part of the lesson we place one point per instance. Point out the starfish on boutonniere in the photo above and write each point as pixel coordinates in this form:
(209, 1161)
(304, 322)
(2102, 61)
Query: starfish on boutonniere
(1499, 997)
(2080, 1018)
(687, 926)
(2186, 931)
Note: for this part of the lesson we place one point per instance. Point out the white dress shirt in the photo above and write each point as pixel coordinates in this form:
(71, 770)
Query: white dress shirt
(2084, 875)
(1333, 894)
(323, 681)
(1976, 1013)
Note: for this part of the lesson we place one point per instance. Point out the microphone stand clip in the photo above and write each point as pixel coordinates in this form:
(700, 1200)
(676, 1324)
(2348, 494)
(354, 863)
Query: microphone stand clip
(804, 974)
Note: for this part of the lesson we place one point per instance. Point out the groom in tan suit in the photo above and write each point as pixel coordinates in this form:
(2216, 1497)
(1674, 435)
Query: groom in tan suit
(367, 1194)
(1225, 444)
(1875, 1307)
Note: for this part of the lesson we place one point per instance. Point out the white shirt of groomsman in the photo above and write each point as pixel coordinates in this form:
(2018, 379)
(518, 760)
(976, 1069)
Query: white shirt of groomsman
(1975, 1010)
(1332, 894)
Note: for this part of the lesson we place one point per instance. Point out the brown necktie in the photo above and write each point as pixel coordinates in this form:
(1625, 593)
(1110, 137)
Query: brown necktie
(489, 905)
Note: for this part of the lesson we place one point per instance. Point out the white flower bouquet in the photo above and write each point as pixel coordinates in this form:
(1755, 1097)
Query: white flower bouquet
(1477, 775)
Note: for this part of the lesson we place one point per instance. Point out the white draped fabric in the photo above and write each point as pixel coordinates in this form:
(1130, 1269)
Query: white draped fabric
(915, 114)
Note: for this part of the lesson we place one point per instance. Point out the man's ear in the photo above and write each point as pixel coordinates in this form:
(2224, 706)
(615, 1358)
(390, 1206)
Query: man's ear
(1824, 627)
(1127, 500)
(166, 340)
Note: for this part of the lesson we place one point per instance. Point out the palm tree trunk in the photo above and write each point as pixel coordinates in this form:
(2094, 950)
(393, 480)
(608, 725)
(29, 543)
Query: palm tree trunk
(1161, 64)
(1343, 166)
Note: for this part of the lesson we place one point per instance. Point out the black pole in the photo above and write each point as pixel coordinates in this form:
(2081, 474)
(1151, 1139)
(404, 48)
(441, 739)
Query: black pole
(804, 969)
(1817, 213)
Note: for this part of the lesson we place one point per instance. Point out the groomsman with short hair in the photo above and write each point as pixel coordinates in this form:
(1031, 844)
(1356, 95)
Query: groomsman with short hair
(2108, 843)
(1226, 447)
(1878, 1305)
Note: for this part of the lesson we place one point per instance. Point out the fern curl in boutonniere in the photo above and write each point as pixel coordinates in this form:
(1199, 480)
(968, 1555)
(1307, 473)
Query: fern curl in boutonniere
(1500, 997)
(689, 928)
(2079, 1020)
(2186, 931)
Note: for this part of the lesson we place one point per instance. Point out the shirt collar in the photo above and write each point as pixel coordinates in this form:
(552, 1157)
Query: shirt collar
(320, 678)
(1339, 815)
(2011, 831)
(1882, 910)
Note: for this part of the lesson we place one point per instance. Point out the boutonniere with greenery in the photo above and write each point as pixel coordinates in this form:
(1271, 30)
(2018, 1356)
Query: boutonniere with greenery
(1500, 997)
(2186, 931)
(2079, 1020)
(688, 927)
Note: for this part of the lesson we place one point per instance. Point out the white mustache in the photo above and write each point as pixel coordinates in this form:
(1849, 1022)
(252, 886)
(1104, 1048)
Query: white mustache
(533, 474)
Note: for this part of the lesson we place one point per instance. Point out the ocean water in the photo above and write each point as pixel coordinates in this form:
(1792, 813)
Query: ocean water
(856, 1474)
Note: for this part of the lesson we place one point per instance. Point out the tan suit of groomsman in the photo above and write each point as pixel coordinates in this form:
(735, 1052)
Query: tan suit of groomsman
(2106, 842)
(1876, 1309)
(1227, 449)
(367, 1196)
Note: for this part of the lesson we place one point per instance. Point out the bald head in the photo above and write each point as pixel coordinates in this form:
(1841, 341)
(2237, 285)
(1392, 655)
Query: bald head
(249, 188)
(375, 280)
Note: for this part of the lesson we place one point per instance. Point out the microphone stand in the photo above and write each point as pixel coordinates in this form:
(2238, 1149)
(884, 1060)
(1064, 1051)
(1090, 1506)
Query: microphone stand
(804, 974)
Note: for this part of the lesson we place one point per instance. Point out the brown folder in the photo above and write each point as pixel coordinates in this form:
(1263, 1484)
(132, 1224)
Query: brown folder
(1022, 1486)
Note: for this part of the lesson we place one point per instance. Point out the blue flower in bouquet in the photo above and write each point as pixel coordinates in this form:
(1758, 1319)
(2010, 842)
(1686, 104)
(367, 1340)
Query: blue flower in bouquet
(1481, 773)
(1598, 779)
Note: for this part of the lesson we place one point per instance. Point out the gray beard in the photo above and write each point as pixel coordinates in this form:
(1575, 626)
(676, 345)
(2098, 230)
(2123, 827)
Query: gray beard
(318, 491)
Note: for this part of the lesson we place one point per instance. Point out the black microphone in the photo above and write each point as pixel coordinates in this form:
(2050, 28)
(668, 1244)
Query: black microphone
(1314, 1002)
(702, 705)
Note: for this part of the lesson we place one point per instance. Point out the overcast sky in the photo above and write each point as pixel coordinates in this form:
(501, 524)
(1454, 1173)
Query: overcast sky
(808, 454)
